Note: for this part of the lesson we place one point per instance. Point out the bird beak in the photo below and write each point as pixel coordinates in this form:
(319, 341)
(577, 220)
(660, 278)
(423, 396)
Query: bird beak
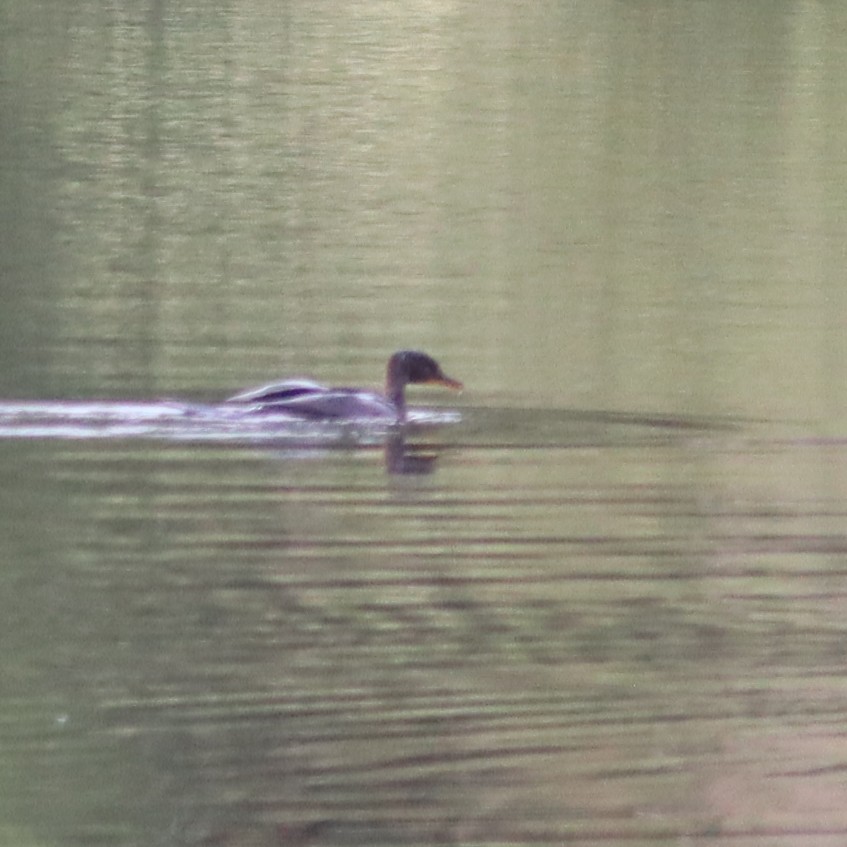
(447, 382)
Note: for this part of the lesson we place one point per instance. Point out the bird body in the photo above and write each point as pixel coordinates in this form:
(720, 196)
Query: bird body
(310, 400)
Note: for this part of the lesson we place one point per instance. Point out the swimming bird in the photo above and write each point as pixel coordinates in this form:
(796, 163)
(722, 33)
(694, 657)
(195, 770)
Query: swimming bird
(303, 398)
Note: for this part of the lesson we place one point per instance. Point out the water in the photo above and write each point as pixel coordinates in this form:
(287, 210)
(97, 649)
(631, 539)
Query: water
(605, 606)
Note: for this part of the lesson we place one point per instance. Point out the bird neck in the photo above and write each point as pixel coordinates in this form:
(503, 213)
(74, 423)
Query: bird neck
(395, 391)
(395, 387)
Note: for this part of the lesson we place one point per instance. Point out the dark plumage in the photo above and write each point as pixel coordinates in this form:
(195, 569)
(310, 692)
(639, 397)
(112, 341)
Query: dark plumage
(306, 399)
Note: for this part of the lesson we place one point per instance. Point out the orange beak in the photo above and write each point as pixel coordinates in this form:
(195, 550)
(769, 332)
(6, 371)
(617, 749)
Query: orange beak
(446, 382)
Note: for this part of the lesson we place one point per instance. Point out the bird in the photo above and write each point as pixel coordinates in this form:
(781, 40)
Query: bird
(305, 399)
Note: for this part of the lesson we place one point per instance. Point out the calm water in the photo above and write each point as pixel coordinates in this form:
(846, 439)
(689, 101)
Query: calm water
(608, 606)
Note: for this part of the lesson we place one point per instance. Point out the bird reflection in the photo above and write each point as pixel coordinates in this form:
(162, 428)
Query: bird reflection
(403, 458)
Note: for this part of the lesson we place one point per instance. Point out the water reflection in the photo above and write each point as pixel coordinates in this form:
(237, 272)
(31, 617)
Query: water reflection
(403, 458)
(232, 649)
